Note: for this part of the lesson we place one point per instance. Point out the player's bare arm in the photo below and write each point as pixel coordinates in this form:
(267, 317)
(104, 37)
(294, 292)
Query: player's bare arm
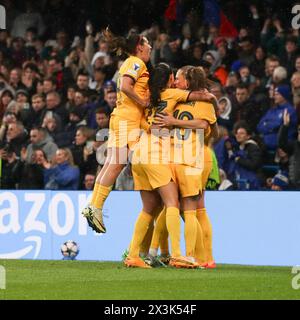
(127, 86)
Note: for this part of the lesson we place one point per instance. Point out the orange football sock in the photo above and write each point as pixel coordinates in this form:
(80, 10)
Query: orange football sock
(101, 196)
(145, 245)
(190, 232)
(200, 253)
(207, 232)
(173, 226)
(159, 227)
(141, 227)
(95, 191)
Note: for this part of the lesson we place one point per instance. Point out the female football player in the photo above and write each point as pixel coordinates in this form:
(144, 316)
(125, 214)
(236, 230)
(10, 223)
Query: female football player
(125, 120)
(193, 78)
(151, 171)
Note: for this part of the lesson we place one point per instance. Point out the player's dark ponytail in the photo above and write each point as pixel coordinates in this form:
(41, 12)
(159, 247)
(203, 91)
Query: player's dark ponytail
(122, 45)
(158, 81)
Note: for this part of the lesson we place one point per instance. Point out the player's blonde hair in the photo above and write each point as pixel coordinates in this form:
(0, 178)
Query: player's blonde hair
(196, 78)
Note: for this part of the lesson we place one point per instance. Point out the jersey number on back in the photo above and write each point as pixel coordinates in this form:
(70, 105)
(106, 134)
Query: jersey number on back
(182, 134)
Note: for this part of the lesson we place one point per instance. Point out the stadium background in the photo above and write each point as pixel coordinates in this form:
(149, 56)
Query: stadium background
(55, 49)
(260, 228)
(41, 40)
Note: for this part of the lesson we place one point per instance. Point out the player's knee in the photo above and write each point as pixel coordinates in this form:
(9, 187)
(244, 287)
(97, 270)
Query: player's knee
(172, 203)
(116, 168)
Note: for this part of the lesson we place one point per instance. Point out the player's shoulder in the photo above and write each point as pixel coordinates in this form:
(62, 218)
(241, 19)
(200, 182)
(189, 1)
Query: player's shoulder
(206, 110)
(137, 62)
(132, 65)
(168, 91)
(206, 104)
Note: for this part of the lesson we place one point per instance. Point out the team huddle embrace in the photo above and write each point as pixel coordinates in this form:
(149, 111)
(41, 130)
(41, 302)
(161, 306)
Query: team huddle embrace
(162, 125)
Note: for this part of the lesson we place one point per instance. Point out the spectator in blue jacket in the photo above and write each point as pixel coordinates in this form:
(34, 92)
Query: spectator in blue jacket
(270, 123)
(63, 175)
(245, 159)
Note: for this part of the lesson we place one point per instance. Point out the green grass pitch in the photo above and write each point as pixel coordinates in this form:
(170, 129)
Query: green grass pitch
(27, 279)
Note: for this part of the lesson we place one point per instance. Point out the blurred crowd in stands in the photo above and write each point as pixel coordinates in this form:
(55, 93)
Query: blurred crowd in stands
(58, 89)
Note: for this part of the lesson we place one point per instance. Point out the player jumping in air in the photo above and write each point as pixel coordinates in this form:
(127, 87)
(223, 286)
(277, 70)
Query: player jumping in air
(125, 121)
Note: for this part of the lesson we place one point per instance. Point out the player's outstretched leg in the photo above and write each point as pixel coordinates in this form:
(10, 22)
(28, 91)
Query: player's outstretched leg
(92, 213)
(103, 186)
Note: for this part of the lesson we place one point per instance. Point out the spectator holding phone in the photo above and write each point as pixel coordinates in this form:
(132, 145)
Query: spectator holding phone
(33, 116)
(83, 151)
(10, 168)
(32, 174)
(270, 123)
